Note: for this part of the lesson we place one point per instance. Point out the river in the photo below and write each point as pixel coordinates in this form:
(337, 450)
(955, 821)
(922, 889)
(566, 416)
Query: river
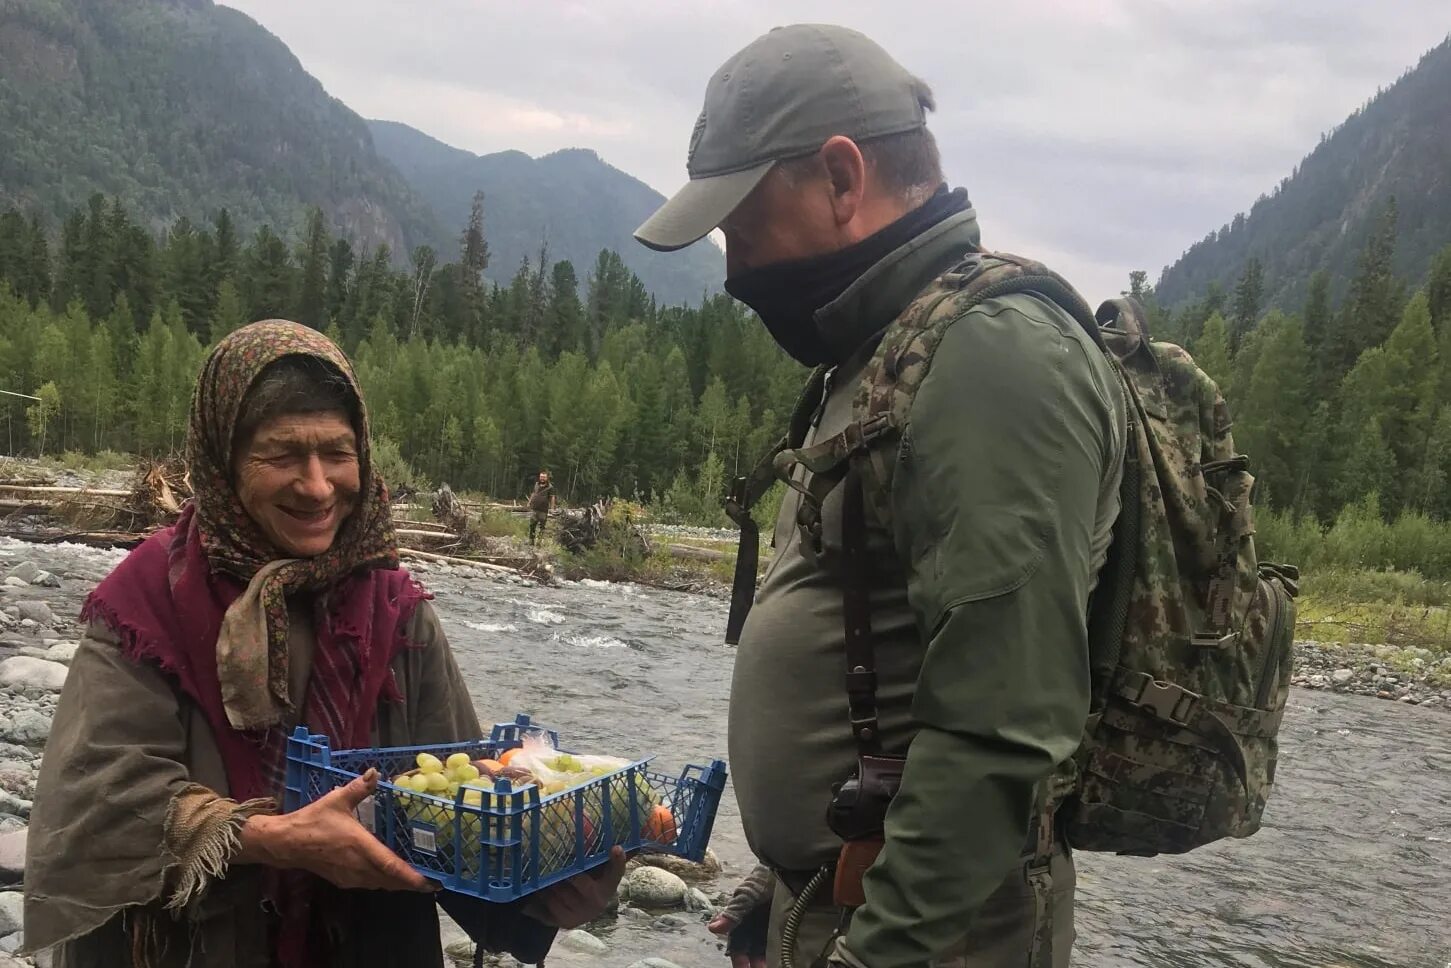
(1351, 870)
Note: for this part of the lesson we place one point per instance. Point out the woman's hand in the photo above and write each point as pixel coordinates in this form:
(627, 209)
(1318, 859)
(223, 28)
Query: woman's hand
(582, 898)
(326, 839)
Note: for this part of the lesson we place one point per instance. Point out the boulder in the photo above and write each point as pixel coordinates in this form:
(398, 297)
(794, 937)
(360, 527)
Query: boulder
(12, 912)
(28, 672)
(26, 571)
(12, 856)
(15, 806)
(26, 726)
(652, 887)
(37, 612)
(581, 941)
(12, 943)
(62, 652)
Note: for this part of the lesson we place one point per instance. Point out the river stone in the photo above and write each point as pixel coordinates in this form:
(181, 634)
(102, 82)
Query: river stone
(23, 671)
(651, 887)
(37, 612)
(46, 580)
(581, 941)
(15, 806)
(654, 963)
(12, 856)
(634, 914)
(25, 571)
(698, 900)
(26, 726)
(11, 943)
(1342, 676)
(62, 652)
(11, 912)
(460, 952)
(670, 922)
(684, 869)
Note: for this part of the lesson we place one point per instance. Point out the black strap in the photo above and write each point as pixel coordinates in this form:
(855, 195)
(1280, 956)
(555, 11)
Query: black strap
(1109, 610)
(861, 662)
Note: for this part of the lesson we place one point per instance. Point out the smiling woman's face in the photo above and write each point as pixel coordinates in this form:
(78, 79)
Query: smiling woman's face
(299, 479)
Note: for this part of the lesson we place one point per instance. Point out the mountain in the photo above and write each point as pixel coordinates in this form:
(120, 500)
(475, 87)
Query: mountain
(571, 200)
(1398, 146)
(181, 107)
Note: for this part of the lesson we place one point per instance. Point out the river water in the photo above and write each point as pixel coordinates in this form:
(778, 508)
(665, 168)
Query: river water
(1351, 870)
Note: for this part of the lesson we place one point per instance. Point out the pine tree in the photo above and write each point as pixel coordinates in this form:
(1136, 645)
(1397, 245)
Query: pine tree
(268, 277)
(1211, 350)
(1271, 409)
(313, 299)
(1376, 298)
(37, 287)
(229, 314)
(1438, 289)
(1248, 295)
(1428, 490)
(227, 251)
(566, 315)
(339, 276)
(1370, 466)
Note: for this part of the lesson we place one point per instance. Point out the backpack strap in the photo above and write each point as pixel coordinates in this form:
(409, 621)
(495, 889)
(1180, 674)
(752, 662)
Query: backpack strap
(861, 659)
(746, 491)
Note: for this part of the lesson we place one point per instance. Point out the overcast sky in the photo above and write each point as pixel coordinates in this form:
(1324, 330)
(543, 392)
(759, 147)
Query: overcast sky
(1098, 136)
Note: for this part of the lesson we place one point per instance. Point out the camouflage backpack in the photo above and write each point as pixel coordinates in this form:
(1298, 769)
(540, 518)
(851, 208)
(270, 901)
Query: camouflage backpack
(1190, 637)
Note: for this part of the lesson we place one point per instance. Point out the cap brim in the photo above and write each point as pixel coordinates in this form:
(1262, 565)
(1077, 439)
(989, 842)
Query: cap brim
(698, 208)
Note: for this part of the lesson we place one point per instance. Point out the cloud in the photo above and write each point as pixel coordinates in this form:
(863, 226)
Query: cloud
(1099, 135)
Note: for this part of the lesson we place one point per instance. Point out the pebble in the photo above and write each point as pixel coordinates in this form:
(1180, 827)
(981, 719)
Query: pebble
(29, 623)
(12, 912)
(26, 726)
(12, 856)
(651, 887)
(581, 941)
(37, 612)
(26, 572)
(16, 583)
(46, 580)
(670, 922)
(634, 914)
(1342, 676)
(25, 671)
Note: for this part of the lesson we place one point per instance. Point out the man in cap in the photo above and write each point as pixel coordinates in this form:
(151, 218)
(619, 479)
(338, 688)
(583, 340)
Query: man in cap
(813, 157)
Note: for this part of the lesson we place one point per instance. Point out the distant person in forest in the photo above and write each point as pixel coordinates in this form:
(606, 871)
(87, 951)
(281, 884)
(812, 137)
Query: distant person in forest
(922, 633)
(541, 502)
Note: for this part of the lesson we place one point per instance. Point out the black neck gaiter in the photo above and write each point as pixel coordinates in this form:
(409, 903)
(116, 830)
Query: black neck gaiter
(787, 295)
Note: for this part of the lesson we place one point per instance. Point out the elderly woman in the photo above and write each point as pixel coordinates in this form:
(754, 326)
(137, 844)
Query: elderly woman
(276, 600)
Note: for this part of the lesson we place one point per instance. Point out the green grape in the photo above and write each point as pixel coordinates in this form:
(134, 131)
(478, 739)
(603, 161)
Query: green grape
(429, 763)
(452, 789)
(403, 780)
(467, 773)
(436, 781)
(419, 782)
(457, 760)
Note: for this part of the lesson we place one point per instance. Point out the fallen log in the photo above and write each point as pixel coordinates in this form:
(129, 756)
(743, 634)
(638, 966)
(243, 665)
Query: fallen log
(451, 560)
(46, 490)
(93, 539)
(692, 553)
(444, 536)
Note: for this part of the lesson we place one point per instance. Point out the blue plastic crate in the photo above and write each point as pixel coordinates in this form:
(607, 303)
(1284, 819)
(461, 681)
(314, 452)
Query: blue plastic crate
(516, 841)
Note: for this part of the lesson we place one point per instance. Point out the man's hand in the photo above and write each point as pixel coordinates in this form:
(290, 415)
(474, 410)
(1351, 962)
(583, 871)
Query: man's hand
(326, 839)
(740, 955)
(582, 898)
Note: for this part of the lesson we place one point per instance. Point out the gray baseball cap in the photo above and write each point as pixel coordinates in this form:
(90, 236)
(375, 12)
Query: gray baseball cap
(782, 97)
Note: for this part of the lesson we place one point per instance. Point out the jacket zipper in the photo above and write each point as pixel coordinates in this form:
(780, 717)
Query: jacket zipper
(1272, 650)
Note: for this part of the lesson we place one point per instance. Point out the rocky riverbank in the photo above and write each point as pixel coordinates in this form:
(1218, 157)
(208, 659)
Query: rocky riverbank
(1415, 676)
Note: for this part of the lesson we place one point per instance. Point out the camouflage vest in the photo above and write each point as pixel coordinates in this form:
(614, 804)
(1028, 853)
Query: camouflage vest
(1190, 637)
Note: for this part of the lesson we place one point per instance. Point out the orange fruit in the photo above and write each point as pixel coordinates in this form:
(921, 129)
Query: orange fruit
(660, 826)
(506, 757)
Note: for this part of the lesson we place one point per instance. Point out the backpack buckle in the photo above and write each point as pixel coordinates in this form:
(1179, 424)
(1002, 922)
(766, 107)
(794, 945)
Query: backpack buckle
(1165, 700)
(1213, 640)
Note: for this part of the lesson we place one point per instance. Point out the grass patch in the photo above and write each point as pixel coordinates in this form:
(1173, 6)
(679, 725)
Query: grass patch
(495, 523)
(1375, 623)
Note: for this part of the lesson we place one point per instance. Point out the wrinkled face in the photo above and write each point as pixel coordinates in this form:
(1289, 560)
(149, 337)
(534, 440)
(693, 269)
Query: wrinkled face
(299, 478)
(543, 478)
(783, 219)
